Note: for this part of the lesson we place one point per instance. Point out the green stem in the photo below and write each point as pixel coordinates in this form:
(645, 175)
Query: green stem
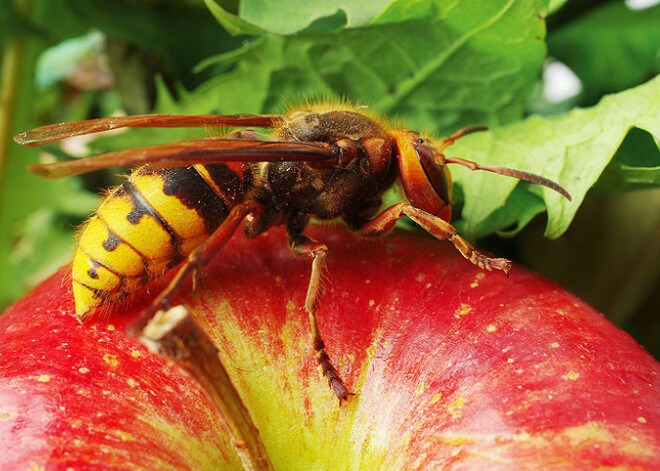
(10, 71)
(11, 65)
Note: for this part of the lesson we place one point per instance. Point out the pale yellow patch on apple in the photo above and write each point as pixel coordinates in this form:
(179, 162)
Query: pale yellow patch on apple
(111, 360)
(462, 310)
(456, 407)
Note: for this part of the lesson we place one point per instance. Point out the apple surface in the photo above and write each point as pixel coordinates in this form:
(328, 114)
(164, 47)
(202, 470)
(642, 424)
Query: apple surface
(452, 368)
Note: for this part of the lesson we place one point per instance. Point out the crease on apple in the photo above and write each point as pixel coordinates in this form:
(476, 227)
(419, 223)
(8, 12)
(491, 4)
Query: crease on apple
(265, 388)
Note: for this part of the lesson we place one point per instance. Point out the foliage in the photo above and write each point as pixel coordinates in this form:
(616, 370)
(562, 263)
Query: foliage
(573, 148)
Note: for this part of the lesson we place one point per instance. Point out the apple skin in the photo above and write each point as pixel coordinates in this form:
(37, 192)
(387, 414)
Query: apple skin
(452, 367)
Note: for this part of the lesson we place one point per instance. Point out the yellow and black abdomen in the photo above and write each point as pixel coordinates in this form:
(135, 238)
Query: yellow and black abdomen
(150, 224)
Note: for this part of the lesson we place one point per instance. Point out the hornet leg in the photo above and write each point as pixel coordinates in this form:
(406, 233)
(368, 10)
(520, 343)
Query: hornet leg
(304, 246)
(200, 257)
(437, 227)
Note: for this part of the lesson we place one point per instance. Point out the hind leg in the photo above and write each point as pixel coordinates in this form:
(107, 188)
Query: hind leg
(200, 257)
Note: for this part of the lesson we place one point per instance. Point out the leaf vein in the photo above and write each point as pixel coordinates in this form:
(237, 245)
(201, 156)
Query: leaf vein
(409, 85)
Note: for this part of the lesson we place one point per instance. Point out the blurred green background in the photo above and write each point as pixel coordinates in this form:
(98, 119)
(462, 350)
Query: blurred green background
(524, 67)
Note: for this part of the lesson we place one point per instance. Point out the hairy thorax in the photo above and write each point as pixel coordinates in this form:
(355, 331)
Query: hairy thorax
(329, 191)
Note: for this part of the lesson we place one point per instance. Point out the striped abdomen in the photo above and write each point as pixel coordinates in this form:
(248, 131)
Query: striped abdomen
(150, 224)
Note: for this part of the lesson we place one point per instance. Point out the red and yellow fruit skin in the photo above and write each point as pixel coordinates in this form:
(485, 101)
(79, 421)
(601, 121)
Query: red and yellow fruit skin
(453, 368)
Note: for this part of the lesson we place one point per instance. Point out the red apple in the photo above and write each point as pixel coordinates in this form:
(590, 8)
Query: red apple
(452, 368)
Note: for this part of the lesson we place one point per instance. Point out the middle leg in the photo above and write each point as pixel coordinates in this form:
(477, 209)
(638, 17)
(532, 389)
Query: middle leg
(304, 246)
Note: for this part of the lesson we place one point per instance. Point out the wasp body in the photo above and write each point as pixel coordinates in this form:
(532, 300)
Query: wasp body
(187, 199)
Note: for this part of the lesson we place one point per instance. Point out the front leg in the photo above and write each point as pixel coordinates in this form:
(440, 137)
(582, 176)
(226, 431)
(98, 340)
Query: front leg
(437, 227)
(301, 245)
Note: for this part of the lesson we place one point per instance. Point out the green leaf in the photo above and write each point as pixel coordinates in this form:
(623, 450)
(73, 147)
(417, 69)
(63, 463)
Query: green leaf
(402, 10)
(555, 5)
(573, 149)
(610, 49)
(520, 208)
(59, 62)
(635, 166)
(233, 24)
(640, 177)
(293, 16)
(296, 16)
(468, 64)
